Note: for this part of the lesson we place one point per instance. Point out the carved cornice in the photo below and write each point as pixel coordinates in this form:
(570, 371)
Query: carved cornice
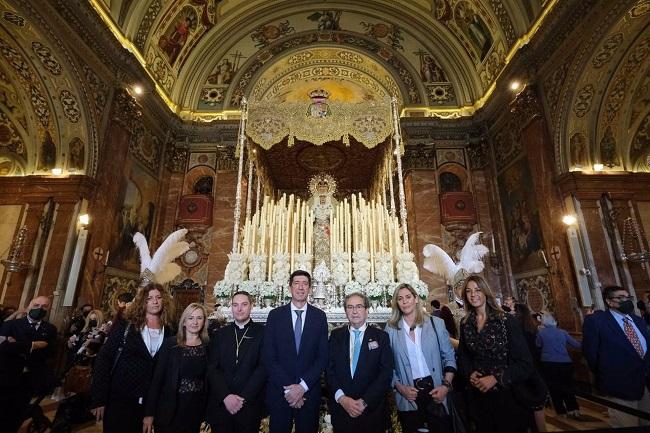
(526, 107)
(419, 157)
(622, 185)
(125, 110)
(176, 158)
(39, 189)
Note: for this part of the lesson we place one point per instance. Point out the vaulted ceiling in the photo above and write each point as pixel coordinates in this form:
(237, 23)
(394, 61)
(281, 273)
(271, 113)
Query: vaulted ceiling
(204, 55)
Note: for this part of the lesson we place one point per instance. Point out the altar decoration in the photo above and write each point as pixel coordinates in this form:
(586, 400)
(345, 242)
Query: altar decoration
(318, 122)
(350, 244)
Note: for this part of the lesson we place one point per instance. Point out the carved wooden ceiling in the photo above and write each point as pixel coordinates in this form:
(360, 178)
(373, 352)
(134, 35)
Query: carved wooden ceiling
(352, 166)
(206, 54)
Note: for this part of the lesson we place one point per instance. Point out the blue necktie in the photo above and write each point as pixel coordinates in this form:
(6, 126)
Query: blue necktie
(297, 329)
(356, 350)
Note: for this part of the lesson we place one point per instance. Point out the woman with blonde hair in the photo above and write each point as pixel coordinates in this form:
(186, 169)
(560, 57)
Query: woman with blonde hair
(177, 395)
(494, 358)
(424, 363)
(125, 364)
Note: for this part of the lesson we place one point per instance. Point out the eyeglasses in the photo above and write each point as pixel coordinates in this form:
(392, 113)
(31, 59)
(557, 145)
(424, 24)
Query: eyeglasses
(622, 298)
(355, 307)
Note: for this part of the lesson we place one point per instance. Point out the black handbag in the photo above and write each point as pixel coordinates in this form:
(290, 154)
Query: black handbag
(531, 393)
(457, 421)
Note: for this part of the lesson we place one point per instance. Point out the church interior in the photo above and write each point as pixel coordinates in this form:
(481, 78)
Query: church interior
(526, 120)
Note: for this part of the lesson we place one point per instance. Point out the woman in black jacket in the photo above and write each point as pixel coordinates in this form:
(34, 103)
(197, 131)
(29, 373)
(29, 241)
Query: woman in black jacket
(494, 358)
(177, 395)
(125, 364)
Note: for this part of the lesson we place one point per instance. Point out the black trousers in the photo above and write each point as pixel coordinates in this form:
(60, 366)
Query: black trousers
(282, 417)
(123, 417)
(14, 405)
(559, 379)
(496, 411)
(370, 421)
(411, 421)
(247, 420)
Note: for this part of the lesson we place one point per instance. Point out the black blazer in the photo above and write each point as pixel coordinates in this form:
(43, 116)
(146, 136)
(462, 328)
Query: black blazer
(129, 380)
(245, 379)
(619, 370)
(374, 371)
(15, 357)
(163, 391)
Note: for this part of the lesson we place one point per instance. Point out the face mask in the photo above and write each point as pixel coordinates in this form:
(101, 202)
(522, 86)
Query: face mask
(626, 307)
(37, 313)
(92, 323)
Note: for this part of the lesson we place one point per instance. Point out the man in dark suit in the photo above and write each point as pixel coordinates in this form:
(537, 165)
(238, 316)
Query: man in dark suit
(235, 372)
(615, 344)
(359, 371)
(295, 354)
(25, 346)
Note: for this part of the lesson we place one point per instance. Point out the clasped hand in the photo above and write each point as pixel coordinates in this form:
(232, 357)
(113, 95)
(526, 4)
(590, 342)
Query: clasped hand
(482, 383)
(294, 394)
(353, 407)
(233, 403)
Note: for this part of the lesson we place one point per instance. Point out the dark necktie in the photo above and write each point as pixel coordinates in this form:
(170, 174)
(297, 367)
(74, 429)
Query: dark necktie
(297, 329)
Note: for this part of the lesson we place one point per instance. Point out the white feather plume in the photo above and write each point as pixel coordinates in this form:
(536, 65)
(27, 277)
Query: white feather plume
(162, 264)
(141, 244)
(438, 262)
(472, 253)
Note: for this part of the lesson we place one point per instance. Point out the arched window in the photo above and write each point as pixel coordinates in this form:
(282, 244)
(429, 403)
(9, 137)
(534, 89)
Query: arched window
(449, 182)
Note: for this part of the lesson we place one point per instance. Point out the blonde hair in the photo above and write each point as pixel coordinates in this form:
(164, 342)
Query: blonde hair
(100, 320)
(396, 314)
(491, 306)
(137, 311)
(181, 335)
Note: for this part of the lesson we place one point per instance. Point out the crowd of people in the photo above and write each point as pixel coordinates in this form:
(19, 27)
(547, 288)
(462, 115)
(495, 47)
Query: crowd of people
(495, 370)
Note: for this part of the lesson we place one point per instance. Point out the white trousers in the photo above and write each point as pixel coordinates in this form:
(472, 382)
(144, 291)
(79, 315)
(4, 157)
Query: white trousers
(622, 419)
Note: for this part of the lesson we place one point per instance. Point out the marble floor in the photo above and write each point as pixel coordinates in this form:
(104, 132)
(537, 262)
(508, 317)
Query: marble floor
(595, 417)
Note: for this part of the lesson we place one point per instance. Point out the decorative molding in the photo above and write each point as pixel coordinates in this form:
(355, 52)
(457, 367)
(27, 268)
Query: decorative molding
(176, 158)
(526, 107)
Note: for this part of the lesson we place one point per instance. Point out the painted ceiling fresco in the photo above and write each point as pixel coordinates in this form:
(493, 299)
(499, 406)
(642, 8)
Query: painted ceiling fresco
(207, 54)
(48, 117)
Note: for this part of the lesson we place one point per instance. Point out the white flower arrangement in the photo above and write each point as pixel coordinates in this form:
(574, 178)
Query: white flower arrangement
(374, 290)
(421, 288)
(249, 286)
(353, 287)
(267, 290)
(222, 289)
(390, 289)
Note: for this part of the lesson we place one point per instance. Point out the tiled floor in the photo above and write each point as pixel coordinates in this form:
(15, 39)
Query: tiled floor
(595, 415)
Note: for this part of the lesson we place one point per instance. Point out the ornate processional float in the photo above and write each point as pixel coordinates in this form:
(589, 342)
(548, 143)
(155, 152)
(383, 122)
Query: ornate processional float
(354, 244)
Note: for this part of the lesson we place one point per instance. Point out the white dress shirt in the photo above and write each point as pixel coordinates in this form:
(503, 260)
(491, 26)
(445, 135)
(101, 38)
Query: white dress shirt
(339, 393)
(294, 317)
(414, 351)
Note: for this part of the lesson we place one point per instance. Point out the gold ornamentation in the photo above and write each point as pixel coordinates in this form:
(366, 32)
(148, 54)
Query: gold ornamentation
(270, 123)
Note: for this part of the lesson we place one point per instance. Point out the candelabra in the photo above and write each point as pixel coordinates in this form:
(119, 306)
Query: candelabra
(14, 261)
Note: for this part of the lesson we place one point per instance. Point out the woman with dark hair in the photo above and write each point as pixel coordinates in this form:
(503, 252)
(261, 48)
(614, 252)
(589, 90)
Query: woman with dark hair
(125, 364)
(177, 395)
(424, 364)
(493, 357)
(530, 326)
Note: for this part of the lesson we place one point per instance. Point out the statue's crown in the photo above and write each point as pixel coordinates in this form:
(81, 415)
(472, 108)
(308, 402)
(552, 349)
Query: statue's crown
(319, 94)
